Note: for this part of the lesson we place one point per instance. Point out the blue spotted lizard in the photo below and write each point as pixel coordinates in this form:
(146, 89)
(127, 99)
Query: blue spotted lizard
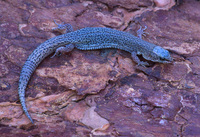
(90, 39)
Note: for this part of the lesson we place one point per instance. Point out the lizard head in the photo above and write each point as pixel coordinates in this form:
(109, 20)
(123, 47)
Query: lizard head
(163, 55)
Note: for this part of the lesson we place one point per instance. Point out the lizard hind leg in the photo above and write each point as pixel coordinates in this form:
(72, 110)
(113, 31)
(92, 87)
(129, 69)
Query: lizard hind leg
(63, 28)
(65, 49)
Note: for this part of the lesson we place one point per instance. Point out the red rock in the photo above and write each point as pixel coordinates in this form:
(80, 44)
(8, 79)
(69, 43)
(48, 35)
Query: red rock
(159, 100)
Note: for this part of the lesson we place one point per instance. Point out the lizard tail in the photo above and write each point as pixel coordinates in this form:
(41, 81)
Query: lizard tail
(25, 75)
(32, 62)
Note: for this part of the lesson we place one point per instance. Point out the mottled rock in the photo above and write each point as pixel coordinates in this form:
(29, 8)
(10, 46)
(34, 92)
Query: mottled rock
(130, 100)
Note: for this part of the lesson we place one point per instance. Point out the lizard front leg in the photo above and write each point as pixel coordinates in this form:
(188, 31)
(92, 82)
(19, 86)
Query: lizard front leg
(137, 60)
(141, 32)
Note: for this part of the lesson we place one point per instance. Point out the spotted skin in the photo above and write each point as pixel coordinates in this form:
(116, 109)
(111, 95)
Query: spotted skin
(90, 39)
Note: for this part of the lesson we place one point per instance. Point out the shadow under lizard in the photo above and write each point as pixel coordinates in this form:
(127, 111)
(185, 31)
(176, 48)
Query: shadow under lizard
(90, 39)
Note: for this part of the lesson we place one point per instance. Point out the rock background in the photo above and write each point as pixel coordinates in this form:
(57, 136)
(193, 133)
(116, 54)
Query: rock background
(101, 92)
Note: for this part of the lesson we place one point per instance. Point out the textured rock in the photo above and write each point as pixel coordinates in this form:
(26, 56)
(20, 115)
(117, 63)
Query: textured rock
(101, 92)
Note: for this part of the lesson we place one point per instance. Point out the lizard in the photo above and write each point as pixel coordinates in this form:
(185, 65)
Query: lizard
(89, 38)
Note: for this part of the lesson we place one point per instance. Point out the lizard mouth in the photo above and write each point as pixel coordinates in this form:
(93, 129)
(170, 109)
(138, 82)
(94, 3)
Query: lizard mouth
(166, 60)
(170, 59)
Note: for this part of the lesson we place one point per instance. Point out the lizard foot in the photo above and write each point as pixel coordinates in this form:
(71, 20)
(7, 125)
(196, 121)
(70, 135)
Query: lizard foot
(65, 49)
(141, 32)
(142, 63)
(63, 28)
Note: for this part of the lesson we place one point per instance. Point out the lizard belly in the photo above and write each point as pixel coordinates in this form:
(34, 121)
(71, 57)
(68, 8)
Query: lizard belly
(103, 46)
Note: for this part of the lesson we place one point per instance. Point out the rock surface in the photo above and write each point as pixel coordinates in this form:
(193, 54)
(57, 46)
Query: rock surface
(101, 92)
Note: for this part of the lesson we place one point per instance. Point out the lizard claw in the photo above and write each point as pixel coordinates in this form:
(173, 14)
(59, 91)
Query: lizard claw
(141, 32)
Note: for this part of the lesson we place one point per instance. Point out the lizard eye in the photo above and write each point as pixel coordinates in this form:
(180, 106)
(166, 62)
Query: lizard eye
(162, 59)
